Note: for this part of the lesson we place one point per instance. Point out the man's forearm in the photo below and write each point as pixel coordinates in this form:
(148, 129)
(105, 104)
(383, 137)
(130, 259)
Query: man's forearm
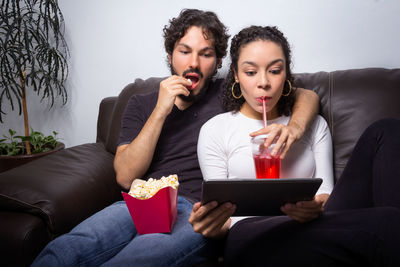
(304, 110)
(133, 160)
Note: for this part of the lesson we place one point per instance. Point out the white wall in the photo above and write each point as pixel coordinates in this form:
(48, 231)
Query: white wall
(114, 42)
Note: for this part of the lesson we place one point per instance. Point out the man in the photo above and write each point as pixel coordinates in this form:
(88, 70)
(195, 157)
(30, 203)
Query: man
(158, 138)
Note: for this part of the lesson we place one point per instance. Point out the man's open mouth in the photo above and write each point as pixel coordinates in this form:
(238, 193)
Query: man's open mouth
(194, 78)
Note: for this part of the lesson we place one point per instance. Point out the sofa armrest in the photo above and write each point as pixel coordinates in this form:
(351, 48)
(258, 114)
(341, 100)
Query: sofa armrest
(63, 188)
(22, 237)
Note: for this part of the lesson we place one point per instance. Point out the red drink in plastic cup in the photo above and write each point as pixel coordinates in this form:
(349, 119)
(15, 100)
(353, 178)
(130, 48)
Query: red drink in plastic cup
(267, 167)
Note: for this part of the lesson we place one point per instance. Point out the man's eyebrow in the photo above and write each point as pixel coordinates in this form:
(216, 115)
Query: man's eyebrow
(208, 48)
(184, 45)
(203, 49)
(269, 65)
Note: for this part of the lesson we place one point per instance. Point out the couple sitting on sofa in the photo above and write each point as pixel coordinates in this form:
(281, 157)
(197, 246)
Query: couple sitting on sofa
(159, 137)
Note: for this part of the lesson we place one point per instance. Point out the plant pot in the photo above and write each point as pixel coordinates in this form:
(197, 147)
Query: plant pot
(9, 162)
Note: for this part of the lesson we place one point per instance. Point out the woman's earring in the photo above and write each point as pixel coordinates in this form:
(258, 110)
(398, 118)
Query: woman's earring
(233, 93)
(290, 88)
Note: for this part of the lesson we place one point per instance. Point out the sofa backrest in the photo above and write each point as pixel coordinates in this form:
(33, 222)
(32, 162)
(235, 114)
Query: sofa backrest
(138, 87)
(350, 100)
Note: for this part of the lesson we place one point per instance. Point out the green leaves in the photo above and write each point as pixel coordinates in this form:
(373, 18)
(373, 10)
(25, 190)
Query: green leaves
(32, 41)
(39, 142)
(14, 145)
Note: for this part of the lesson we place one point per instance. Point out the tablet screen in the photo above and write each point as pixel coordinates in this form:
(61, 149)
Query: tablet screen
(259, 197)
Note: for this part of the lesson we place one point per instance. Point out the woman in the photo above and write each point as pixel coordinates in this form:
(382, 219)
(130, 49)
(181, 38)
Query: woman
(260, 69)
(358, 225)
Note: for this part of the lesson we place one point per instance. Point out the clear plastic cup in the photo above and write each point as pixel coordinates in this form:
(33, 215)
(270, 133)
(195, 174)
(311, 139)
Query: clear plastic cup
(267, 166)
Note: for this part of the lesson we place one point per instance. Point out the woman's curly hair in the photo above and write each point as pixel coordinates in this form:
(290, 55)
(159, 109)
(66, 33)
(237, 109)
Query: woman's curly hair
(248, 35)
(212, 26)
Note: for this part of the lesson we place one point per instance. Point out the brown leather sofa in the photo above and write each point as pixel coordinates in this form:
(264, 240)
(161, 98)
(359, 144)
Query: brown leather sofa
(47, 197)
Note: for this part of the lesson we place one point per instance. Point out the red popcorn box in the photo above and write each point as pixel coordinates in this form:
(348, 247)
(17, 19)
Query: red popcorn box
(156, 214)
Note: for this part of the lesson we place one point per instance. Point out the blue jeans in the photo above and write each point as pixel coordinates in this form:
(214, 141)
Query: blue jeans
(109, 238)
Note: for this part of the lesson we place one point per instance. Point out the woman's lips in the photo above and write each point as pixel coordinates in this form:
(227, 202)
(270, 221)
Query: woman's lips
(261, 98)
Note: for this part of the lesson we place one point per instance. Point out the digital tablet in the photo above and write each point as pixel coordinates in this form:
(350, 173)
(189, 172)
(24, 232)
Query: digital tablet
(259, 197)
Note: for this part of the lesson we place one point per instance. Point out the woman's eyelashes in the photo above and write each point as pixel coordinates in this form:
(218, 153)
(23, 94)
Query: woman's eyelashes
(250, 73)
(273, 71)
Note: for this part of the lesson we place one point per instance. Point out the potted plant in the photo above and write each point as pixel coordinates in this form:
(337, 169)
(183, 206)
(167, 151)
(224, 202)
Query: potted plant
(33, 56)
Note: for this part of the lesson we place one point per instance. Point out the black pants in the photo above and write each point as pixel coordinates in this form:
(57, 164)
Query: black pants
(359, 227)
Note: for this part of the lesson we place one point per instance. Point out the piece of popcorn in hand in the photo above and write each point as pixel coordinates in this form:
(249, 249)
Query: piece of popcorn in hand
(146, 189)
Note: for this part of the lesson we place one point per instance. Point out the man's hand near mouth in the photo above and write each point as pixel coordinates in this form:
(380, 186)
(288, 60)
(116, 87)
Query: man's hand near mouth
(170, 88)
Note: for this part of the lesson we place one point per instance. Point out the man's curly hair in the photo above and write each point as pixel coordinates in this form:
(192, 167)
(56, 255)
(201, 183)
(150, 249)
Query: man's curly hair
(248, 35)
(207, 20)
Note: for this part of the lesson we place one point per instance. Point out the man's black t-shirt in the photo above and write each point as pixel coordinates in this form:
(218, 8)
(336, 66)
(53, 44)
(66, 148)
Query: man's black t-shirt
(176, 150)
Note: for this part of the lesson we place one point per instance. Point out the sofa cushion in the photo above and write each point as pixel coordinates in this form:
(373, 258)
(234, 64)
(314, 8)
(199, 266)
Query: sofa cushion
(351, 100)
(63, 188)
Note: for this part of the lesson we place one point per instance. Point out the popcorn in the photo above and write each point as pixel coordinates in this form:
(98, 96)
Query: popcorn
(147, 189)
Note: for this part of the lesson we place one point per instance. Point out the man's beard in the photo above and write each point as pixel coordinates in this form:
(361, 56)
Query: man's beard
(191, 98)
